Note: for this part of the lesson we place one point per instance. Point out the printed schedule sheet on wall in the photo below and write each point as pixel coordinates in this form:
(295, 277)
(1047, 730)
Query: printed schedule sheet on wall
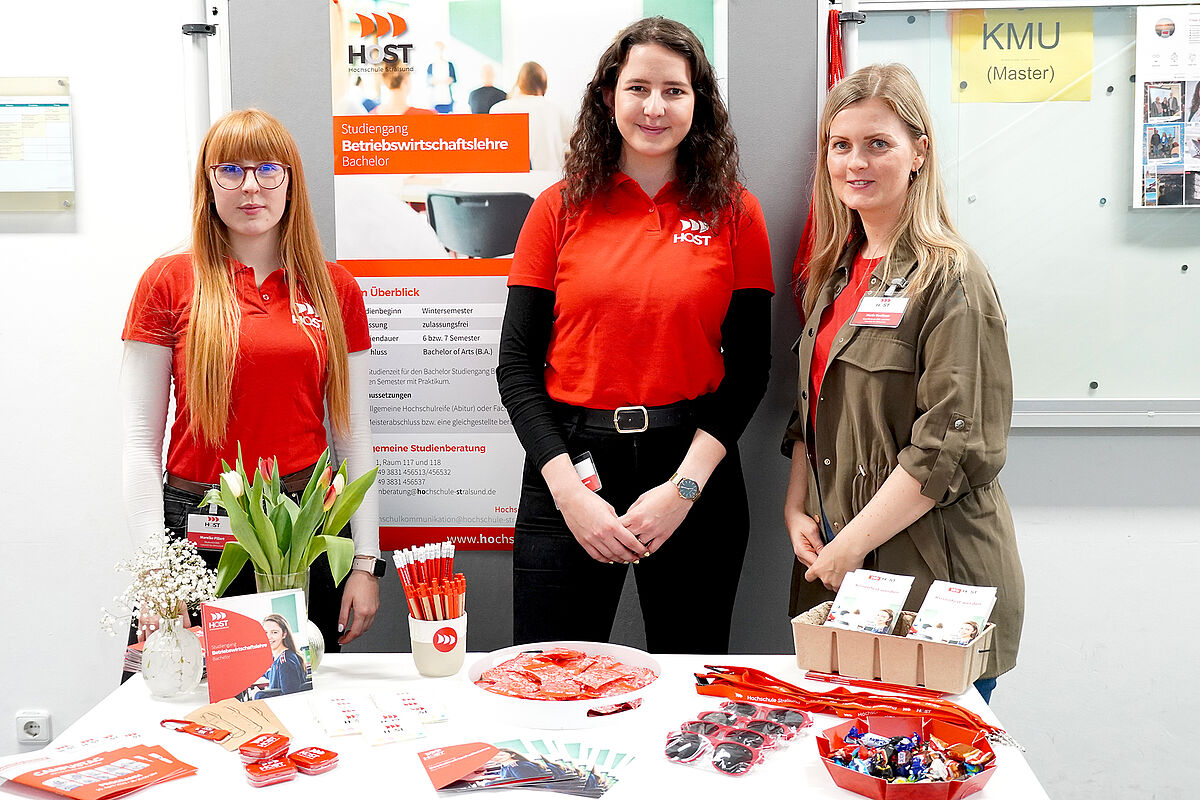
(35, 144)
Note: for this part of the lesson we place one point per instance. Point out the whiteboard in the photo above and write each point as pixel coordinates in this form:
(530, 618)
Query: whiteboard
(1103, 300)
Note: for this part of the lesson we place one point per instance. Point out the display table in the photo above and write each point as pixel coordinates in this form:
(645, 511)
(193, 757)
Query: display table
(392, 770)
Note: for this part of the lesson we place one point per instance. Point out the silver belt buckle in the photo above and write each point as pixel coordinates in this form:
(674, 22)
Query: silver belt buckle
(628, 410)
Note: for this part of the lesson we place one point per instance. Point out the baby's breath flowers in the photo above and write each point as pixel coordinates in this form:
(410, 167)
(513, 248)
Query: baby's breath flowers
(167, 575)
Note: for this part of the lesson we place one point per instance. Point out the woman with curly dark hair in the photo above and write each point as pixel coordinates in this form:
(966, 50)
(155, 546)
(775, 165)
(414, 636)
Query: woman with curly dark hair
(635, 348)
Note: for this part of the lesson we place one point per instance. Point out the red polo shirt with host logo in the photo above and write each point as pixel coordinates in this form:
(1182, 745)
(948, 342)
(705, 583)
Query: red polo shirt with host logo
(277, 403)
(641, 288)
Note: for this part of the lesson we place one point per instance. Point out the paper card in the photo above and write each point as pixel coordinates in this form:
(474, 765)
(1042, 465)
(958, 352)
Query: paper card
(257, 645)
(102, 775)
(869, 601)
(879, 312)
(953, 613)
(244, 720)
(482, 766)
(209, 531)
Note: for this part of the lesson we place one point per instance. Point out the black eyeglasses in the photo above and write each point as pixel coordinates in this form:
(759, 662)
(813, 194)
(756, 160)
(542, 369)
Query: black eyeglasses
(268, 174)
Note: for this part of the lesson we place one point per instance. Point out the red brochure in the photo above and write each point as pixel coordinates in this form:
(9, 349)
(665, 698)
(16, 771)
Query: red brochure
(114, 773)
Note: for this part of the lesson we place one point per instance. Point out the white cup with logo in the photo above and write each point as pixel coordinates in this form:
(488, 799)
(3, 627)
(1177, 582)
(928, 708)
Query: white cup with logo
(438, 646)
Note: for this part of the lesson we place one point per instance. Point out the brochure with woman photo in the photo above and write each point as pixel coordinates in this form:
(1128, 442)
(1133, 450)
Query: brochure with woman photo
(869, 601)
(953, 613)
(258, 646)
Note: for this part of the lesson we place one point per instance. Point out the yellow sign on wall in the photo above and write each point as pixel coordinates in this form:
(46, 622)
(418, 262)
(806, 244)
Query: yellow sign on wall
(1003, 56)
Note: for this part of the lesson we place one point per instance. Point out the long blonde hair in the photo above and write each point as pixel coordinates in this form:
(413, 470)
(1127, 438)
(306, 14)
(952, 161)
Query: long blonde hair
(924, 228)
(210, 348)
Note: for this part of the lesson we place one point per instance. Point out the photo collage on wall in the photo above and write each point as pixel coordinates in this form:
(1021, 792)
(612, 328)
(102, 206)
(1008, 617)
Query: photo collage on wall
(1171, 143)
(1168, 116)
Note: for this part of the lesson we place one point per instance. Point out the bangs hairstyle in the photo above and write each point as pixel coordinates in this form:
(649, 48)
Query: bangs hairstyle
(924, 229)
(211, 343)
(706, 164)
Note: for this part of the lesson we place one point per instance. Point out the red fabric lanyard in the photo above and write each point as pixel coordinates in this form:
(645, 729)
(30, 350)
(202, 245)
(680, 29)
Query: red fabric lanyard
(746, 684)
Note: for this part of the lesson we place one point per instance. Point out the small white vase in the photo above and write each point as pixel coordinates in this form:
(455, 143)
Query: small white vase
(172, 660)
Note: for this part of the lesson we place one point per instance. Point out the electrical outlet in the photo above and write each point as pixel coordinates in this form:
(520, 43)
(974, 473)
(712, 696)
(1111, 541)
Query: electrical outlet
(33, 727)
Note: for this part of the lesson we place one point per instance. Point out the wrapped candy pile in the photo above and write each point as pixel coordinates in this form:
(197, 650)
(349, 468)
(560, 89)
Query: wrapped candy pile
(563, 674)
(909, 759)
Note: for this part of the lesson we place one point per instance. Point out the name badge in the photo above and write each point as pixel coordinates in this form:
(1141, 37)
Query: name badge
(879, 312)
(586, 469)
(208, 531)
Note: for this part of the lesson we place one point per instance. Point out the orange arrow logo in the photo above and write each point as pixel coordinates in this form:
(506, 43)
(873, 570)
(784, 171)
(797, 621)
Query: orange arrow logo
(381, 25)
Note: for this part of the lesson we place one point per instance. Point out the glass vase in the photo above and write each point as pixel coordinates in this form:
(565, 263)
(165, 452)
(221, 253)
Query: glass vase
(172, 659)
(274, 582)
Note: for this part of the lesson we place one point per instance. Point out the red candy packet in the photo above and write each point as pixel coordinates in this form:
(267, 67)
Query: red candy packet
(563, 674)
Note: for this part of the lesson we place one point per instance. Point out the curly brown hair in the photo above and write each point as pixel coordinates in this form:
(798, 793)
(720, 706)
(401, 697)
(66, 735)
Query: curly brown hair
(706, 163)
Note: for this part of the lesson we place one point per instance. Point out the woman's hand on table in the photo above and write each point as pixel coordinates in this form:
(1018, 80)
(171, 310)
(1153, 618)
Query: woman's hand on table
(805, 533)
(656, 515)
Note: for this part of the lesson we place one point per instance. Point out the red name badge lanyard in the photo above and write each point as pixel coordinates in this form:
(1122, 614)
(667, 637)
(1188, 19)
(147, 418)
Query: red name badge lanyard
(203, 731)
(746, 684)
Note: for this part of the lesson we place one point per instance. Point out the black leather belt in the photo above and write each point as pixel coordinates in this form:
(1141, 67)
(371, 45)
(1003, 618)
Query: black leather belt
(292, 483)
(629, 419)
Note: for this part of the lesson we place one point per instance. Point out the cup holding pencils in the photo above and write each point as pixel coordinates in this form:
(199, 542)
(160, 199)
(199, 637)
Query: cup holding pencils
(437, 616)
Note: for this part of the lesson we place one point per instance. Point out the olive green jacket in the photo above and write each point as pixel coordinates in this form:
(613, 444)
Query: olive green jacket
(935, 396)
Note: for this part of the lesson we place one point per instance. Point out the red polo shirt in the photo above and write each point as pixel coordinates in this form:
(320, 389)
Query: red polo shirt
(641, 289)
(277, 403)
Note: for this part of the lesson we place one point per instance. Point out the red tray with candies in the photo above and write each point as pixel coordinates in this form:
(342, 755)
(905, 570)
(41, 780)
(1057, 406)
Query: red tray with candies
(954, 762)
(560, 685)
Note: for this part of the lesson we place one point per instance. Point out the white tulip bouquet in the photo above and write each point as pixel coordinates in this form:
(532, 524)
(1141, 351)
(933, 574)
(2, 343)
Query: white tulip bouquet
(279, 536)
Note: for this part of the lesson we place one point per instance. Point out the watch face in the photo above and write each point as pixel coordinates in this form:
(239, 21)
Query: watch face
(688, 489)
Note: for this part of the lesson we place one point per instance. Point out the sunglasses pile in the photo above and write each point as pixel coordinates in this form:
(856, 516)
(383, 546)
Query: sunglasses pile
(735, 738)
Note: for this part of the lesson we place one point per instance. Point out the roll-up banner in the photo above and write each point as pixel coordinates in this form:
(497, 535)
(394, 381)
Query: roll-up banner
(449, 118)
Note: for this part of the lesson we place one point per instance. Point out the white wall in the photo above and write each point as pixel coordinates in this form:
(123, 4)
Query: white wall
(67, 282)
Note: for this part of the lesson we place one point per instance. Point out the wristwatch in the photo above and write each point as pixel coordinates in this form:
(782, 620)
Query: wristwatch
(688, 488)
(370, 564)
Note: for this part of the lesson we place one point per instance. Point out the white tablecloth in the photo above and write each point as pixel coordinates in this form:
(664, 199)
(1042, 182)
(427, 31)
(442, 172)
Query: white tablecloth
(393, 770)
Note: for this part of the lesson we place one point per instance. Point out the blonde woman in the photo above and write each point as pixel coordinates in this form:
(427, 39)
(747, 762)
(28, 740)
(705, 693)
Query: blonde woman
(905, 394)
(261, 338)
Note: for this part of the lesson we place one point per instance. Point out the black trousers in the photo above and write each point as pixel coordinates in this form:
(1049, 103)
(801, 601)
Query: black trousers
(686, 589)
(324, 598)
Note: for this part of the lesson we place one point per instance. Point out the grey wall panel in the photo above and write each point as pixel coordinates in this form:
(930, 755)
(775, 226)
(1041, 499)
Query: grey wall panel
(279, 62)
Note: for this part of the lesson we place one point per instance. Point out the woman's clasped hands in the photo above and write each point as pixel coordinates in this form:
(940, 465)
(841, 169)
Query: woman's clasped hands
(626, 538)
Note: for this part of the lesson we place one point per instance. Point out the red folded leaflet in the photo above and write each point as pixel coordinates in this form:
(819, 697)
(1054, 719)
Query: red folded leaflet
(114, 773)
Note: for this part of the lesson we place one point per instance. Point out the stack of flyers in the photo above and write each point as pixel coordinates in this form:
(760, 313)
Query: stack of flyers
(110, 773)
(953, 613)
(570, 768)
(382, 717)
(869, 601)
(133, 653)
